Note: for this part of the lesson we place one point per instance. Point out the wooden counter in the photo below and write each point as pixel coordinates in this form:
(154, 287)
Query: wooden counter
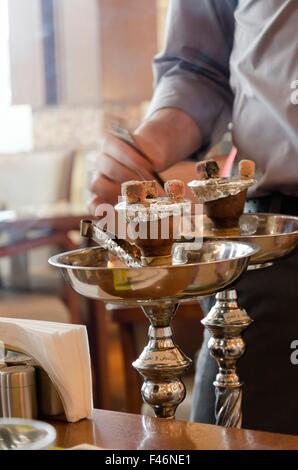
(121, 431)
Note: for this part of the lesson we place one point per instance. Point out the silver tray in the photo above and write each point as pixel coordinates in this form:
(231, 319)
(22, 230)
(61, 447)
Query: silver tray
(215, 266)
(276, 235)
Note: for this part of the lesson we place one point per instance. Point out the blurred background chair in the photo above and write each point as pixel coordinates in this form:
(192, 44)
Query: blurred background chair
(39, 220)
(29, 183)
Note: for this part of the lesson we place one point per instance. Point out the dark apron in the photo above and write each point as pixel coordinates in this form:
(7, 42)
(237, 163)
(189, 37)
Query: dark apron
(270, 391)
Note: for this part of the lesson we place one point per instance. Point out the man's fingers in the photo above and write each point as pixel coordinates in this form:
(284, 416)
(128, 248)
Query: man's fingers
(94, 202)
(106, 189)
(114, 170)
(118, 162)
(127, 156)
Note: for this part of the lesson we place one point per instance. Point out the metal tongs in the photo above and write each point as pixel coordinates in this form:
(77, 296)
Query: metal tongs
(126, 252)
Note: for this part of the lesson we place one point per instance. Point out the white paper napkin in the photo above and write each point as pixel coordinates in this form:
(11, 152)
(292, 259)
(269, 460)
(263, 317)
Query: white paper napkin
(62, 350)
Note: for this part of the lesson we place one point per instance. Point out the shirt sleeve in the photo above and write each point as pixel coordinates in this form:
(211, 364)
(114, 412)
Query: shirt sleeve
(192, 72)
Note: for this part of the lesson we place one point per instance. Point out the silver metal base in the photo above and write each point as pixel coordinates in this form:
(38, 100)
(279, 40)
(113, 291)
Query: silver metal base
(226, 321)
(276, 236)
(162, 363)
(94, 273)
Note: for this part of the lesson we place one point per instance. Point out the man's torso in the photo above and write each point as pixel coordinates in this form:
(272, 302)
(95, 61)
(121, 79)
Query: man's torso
(264, 66)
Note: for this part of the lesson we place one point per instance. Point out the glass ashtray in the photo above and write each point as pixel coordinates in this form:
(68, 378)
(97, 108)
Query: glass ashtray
(26, 434)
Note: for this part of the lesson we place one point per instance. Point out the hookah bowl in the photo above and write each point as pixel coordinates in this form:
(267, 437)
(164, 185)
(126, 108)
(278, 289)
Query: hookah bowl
(153, 227)
(223, 198)
(158, 290)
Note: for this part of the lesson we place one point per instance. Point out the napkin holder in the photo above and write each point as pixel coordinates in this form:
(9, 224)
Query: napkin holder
(60, 353)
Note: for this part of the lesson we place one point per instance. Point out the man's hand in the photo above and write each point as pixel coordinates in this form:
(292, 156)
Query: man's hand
(167, 137)
(118, 162)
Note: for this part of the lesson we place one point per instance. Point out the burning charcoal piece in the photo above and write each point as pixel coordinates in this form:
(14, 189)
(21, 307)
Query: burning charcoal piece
(133, 191)
(151, 189)
(207, 169)
(175, 189)
(246, 169)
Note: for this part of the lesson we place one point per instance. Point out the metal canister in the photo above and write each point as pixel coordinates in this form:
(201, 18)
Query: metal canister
(18, 392)
(48, 400)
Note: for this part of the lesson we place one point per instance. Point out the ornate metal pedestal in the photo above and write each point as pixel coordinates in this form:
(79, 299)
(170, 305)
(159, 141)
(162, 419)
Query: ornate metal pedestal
(162, 363)
(276, 236)
(158, 290)
(226, 321)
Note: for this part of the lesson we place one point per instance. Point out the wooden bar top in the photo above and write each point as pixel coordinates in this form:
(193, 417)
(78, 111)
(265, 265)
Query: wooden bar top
(122, 431)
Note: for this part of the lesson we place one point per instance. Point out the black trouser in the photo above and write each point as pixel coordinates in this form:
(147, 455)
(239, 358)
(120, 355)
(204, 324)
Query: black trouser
(270, 391)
